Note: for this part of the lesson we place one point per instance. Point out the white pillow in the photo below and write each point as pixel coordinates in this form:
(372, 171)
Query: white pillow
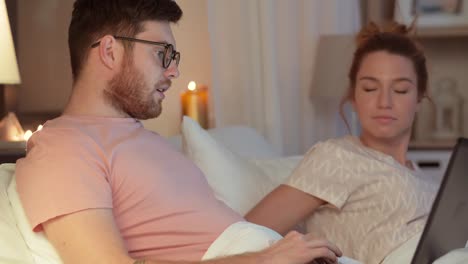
(277, 169)
(242, 140)
(40, 248)
(13, 248)
(237, 181)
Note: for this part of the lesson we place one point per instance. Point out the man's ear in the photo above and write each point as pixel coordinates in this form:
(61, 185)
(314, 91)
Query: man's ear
(110, 52)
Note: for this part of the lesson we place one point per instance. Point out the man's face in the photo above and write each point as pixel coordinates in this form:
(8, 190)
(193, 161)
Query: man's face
(138, 90)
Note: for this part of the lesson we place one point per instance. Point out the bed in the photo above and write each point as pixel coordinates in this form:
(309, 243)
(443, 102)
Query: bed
(247, 167)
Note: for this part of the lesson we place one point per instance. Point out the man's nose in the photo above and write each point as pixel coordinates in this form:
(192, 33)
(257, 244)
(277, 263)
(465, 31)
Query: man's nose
(172, 71)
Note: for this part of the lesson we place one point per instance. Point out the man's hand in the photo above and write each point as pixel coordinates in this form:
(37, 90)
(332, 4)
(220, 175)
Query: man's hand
(296, 248)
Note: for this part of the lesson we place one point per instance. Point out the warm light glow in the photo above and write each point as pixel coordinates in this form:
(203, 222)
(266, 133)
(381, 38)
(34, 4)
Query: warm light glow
(11, 130)
(192, 86)
(27, 135)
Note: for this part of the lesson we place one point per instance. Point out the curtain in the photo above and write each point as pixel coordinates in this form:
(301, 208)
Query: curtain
(263, 58)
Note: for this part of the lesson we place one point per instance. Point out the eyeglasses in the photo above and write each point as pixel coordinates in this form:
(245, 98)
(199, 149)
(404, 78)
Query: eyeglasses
(168, 55)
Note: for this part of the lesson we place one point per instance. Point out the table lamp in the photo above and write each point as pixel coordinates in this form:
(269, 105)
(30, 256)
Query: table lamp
(9, 73)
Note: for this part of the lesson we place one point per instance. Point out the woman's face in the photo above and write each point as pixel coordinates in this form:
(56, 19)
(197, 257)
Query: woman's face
(386, 95)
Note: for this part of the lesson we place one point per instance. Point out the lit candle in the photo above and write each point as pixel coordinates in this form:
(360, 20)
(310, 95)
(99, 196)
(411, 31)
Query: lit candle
(27, 135)
(194, 102)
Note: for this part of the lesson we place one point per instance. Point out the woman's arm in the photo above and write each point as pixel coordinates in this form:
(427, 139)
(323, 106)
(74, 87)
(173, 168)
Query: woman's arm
(283, 208)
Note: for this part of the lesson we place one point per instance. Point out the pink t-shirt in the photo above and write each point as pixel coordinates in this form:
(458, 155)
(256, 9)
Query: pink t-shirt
(161, 201)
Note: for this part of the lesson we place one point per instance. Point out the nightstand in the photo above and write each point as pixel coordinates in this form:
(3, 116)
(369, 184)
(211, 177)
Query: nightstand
(11, 151)
(432, 160)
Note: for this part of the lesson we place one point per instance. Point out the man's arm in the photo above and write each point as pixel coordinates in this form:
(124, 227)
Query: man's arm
(92, 236)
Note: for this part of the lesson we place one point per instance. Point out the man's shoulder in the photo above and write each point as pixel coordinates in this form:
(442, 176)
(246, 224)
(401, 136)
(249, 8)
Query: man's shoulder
(59, 148)
(59, 140)
(57, 137)
(79, 131)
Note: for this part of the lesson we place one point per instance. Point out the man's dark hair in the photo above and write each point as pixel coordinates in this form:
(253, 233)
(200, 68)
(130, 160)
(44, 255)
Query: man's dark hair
(92, 19)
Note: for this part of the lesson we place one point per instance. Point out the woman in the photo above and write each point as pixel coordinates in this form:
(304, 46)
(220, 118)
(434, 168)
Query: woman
(361, 192)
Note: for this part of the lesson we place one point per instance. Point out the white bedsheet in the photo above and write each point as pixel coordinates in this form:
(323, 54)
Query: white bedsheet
(245, 237)
(404, 254)
(239, 238)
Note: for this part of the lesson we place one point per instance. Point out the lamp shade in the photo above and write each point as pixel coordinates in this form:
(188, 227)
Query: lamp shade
(9, 73)
(333, 60)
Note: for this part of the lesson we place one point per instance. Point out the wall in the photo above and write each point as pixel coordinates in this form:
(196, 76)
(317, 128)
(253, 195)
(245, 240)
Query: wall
(45, 68)
(43, 55)
(447, 58)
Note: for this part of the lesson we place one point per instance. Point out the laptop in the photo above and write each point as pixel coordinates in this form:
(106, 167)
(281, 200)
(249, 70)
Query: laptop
(447, 226)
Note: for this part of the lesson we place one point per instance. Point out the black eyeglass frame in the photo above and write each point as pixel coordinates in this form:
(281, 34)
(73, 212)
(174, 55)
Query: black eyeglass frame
(175, 55)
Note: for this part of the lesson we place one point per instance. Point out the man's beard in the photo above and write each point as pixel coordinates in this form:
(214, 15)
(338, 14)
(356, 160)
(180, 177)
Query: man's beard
(129, 93)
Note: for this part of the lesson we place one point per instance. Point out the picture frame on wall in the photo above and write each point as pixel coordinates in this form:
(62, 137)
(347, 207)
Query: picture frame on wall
(434, 17)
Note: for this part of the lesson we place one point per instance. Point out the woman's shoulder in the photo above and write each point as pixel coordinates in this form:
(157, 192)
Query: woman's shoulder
(342, 151)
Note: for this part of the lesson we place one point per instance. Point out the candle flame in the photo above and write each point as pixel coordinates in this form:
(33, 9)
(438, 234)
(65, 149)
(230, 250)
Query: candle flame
(27, 135)
(192, 86)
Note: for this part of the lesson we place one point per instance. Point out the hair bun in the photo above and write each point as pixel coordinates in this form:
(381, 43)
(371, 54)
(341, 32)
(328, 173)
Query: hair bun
(372, 30)
(366, 33)
(401, 29)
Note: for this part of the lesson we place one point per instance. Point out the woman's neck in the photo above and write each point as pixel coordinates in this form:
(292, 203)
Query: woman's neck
(395, 147)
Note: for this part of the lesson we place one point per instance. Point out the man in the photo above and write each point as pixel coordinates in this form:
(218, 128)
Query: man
(104, 189)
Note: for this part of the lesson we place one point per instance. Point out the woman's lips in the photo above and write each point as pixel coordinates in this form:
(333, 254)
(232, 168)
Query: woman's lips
(384, 119)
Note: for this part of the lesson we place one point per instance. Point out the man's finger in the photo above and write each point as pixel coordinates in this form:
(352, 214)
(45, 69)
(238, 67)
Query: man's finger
(317, 243)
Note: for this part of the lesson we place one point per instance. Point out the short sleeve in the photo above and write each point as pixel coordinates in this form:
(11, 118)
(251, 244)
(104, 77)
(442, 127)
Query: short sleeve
(326, 173)
(63, 172)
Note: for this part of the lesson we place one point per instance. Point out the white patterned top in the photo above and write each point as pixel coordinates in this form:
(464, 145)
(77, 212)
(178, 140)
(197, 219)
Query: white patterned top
(374, 204)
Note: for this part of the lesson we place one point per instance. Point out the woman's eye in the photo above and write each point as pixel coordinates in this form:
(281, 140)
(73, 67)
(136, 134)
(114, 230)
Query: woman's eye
(369, 89)
(401, 91)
